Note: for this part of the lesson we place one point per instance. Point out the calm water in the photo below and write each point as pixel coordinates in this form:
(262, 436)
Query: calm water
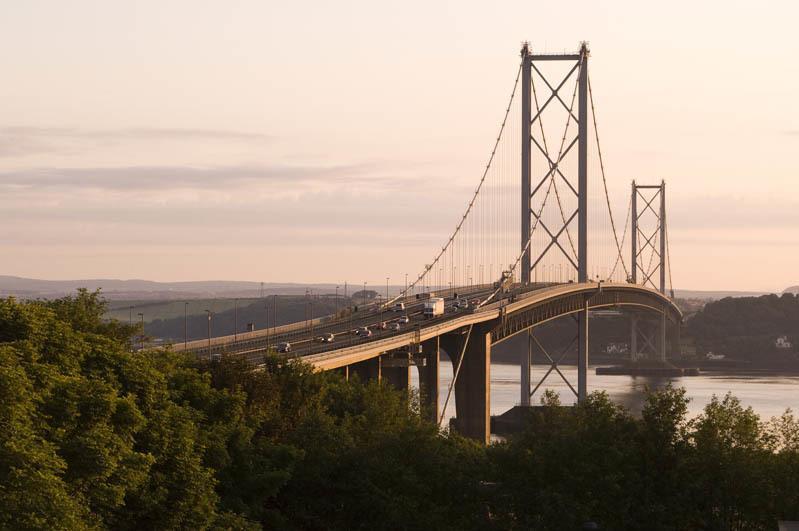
(769, 395)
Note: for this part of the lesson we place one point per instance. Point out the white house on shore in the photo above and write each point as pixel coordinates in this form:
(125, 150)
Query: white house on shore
(783, 343)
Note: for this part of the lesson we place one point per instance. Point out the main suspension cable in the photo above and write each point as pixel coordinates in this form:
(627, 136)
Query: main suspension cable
(605, 182)
(537, 217)
(428, 267)
(627, 224)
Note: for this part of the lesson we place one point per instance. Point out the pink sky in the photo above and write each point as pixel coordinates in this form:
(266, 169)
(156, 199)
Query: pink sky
(286, 141)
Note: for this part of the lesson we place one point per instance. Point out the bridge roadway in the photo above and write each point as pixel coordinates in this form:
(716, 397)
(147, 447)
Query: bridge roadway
(466, 336)
(302, 335)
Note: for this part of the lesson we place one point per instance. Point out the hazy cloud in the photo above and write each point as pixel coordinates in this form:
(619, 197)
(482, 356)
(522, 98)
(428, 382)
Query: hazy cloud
(130, 132)
(731, 212)
(23, 140)
(159, 178)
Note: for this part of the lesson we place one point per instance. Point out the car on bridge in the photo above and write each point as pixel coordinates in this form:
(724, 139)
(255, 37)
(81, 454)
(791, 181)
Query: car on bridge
(363, 332)
(382, 325)
(399, 307)
(326, 338)
(284, 347)
(404, 319)
(396, 327)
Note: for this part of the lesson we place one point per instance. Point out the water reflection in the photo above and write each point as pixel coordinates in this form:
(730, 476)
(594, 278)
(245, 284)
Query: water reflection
(768, 395)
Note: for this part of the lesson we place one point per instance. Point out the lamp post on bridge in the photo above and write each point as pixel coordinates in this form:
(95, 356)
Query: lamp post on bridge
(274, 315)
(266, 311)
(141, 320)
(235, 319)
(209, 314)
(130, 323)
(185, 324)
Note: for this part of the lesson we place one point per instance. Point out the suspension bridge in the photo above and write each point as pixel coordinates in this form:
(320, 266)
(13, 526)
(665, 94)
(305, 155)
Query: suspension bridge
(538, 240)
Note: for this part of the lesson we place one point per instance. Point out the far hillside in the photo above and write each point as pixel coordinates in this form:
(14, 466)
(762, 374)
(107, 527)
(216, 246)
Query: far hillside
(259, 312)
(749, 328)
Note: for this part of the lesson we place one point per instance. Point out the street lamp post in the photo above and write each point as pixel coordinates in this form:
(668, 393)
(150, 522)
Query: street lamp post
(208, 312)
(311, 303)
(274, 315)
(141, 320)
(235, 319)
(130, 323)
(266, 311)
(307, 295)
(336, 302)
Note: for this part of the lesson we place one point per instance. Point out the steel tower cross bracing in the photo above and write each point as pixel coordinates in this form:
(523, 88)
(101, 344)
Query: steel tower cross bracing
(646, 238)
(529, 189)
(654, 339)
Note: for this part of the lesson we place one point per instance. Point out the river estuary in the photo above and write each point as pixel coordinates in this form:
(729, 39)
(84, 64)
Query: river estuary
(768, 394)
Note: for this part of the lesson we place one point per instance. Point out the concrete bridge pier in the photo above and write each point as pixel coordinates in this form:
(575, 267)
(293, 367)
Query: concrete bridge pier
(429, 379)
(633, 336)
(396, 372)
(344, 371)
(473, 386)
(371, 369)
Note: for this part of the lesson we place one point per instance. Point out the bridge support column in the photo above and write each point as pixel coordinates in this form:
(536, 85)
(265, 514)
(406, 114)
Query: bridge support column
(676, 348)
(527, 357)
(662, 337)
(429, 380)
(473, 386)
(397, 375)
(344, 371)
(582, 354)
(366, 370)
(633, 337)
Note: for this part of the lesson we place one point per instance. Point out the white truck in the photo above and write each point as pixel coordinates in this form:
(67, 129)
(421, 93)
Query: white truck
(434, 307)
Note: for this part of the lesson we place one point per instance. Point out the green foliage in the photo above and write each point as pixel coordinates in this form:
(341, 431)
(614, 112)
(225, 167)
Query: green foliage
(93, 436)
(723, 470)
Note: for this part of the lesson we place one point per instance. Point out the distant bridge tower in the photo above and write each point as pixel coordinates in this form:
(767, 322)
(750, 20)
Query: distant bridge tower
(529, 189)
(653, 242)
(647, 239)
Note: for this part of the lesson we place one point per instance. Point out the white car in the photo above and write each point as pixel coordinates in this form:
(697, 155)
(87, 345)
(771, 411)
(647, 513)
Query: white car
(404, 320)
(326, 338)
(363, 332)
(399, 307)
(284, 347)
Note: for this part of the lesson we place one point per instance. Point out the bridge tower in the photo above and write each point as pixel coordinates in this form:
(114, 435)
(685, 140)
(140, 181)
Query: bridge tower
(529, 189)
(648, 194)
(644, 240)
